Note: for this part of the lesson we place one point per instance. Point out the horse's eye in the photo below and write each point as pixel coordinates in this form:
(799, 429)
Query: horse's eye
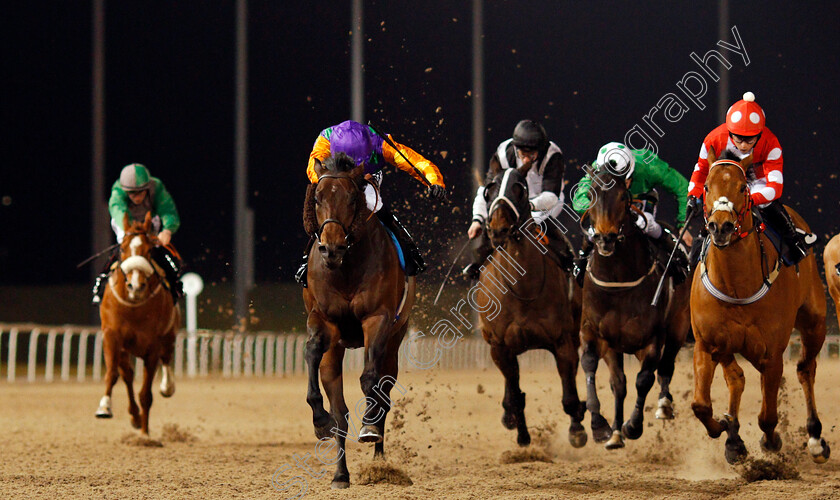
(743, 187)
(706, 188)
(317, 201)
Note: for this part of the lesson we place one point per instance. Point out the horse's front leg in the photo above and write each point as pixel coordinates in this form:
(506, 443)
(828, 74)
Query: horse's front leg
(320, 334)
(127, 374)
(566, 358)
(601, 431)
(332, 377)
(634, 427)
(376, 329)
(704, 373)
(618, 384)
(112, 361)
(149, 369)
(514, 400)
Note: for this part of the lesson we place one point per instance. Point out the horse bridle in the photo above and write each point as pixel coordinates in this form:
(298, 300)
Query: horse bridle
(724, 205)
(348, 238)
(502, 200)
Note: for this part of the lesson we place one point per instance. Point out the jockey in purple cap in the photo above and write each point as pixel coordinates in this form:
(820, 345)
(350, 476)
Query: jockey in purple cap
(366, 147)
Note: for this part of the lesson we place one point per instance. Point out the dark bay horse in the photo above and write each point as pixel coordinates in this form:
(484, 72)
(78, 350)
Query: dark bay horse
(140, 319)
(357, 296)
(743, 301)
(617, 318)
(539, 304)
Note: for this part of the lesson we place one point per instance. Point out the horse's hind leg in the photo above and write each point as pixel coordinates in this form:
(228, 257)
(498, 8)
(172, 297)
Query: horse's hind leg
(320, 333)
(514, 400)
(664, 373)
(388, 381)
(601, 431)
(167, 382)
(813, 336)
(112, 362)
(127, 374)
(566, 357)
(331, 375)
(734, 375)
(618, 384)
(634, 426)
(149, 369)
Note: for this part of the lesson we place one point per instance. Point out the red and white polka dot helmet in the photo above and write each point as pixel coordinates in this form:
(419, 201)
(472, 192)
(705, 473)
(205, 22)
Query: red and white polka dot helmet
(745, 117)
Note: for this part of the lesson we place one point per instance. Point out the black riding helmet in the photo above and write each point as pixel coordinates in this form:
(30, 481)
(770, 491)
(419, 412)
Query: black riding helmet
(529, 134)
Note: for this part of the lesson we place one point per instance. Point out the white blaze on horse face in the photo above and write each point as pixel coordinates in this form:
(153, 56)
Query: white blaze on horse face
(136, 242)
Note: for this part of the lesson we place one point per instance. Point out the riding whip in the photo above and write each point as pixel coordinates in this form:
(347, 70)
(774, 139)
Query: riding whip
(670, 258)
(446, 278)
(394, 146)
(80, 264)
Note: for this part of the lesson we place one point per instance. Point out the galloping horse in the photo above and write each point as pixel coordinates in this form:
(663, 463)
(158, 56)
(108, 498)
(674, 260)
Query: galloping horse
(357, 295)
(743, 301)
(539, 304)
(617, 318)
(831, 259)
(140, 319)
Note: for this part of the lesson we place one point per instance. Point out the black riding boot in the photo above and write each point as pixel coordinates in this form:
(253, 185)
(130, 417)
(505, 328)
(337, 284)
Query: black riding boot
(796, 243)
(579, 269)
(171, 271)
(481, 249)
(697, 247)
(98, 286)
(679, 265)
(300, 274)
(414, 263)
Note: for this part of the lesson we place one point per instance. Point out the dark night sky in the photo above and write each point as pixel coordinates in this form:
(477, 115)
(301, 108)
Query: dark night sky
(589, 71)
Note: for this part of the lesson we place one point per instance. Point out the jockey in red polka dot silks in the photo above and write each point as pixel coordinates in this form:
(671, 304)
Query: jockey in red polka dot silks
(745, 134)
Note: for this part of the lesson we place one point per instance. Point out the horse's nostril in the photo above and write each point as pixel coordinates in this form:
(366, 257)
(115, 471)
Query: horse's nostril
(712, 227)
(341, 248)
(728, 227)
(322, 249)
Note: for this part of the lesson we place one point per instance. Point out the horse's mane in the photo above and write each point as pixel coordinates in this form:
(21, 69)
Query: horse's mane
(340, 163)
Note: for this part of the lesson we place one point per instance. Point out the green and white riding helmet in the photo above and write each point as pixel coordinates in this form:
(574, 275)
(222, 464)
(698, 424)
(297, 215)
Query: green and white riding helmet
(135, 177)
(618, 159)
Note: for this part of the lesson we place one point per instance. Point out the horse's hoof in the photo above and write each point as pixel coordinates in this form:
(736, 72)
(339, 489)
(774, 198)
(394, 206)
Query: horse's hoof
(819, 450)
(370, 434)
(735, 451)
(578, 438)
(631, 431)
(104, 410)
(615, 442)
(601, 430)
(135, 422)
(523, 439)
(167, 391)
(340, 485)
(771, 446)
(326, 430)
(509, 420)
(665, 410)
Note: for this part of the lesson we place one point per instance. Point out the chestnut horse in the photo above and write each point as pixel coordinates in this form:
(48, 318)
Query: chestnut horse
(744, 301)
(831, 259)
(140, 319)
(538, 304)
(621, 278)
(357, 296)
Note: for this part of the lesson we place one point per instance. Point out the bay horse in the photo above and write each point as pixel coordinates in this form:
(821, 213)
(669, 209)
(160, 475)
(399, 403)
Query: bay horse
(621, 278)
(357, 296)
(744, 301)
(138, 318)
(831, 259)
(539, 304)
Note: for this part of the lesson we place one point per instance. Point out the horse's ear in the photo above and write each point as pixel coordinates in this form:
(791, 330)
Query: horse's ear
(319, 167)
(147, 223)
(125, 222)
(747, 162)
(712, 156)
(357, 172)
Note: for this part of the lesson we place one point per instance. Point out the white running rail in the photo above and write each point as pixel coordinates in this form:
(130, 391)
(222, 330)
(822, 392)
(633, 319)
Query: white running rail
(233, 354)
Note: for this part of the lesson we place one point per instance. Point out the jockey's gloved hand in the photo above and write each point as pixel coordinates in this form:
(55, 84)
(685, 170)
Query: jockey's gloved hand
(438, 192)
(692, 206)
